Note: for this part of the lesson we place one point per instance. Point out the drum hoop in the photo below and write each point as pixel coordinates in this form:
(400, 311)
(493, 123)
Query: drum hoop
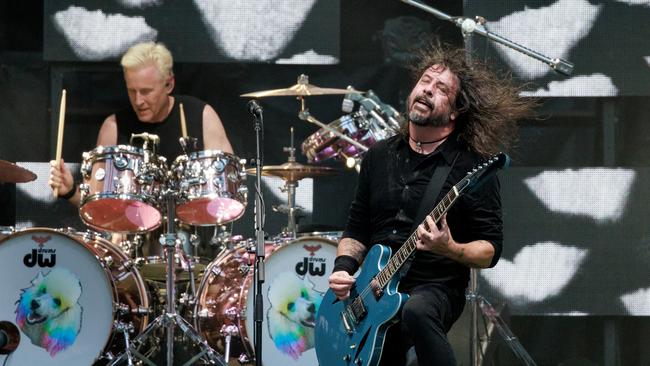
(67, 233)
(113, 149)
(121, 196)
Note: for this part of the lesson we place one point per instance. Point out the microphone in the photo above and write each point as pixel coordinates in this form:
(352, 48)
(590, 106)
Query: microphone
(9, 337)
(254, 108)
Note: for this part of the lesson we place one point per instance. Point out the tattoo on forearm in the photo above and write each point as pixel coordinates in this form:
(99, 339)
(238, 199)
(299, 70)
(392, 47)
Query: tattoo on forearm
(352, 248)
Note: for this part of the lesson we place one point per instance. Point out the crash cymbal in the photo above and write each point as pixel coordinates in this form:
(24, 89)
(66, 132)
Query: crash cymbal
(293, 171)
(301, 89)
(12, 173)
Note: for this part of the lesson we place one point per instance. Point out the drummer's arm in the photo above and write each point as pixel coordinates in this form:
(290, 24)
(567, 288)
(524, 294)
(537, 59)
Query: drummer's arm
(107, 137)
(214, 135)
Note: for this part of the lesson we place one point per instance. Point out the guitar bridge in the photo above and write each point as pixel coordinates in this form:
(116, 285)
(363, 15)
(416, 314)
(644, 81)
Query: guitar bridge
(353, 314)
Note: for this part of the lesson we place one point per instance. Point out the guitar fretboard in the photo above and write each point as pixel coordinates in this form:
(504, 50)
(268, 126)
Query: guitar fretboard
(397, 260)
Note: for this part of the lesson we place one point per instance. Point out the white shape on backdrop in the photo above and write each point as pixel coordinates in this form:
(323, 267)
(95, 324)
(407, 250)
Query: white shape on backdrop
(536, 273)
(139, 4)
(596, 85)
(304, 193)
(647, 60)
(599, 193)
(635, 2)
(637, 302)
(255, 30)
(551, 30)
(94, 36)
(309, 58)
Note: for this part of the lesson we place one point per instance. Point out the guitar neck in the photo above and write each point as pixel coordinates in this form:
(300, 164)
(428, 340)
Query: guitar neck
(407, 249)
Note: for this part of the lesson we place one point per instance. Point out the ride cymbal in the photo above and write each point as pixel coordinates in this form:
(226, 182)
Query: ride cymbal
(301, 89)
(293, 171)
(12, 173)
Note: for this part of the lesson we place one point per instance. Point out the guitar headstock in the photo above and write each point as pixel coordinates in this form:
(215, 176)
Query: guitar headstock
(481, 172)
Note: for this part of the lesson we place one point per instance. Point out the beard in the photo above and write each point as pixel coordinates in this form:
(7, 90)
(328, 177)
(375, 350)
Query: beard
(435, 121)
(419, 120)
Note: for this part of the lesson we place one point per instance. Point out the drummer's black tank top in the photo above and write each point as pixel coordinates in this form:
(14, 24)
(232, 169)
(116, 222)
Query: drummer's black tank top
(169, 130)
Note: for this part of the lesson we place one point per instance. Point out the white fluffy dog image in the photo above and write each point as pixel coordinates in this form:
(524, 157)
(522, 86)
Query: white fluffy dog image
(292, 314)
(48, 311)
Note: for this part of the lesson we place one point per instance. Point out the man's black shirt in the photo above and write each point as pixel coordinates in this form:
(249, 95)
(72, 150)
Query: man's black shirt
(392, 182)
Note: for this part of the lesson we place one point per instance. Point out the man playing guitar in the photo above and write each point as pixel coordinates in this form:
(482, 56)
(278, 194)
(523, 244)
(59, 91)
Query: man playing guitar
(457, 115)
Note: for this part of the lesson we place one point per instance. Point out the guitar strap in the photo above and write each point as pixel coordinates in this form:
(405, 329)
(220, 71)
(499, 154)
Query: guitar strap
(428, 202)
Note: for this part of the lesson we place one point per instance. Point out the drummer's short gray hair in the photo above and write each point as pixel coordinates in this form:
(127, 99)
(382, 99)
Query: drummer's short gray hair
(149, 52)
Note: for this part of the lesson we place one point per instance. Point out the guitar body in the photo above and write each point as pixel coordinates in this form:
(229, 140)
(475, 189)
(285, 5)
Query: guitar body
(361, 342)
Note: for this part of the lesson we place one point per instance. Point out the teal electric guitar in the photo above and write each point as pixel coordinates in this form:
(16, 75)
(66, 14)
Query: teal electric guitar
(351, 332)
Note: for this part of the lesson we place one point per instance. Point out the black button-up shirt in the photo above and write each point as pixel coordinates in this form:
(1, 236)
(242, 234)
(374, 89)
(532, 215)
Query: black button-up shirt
(392, 182)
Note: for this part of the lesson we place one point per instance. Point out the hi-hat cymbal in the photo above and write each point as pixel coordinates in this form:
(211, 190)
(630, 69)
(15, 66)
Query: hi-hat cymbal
(293, 171)
(12, 173)
(301, 89)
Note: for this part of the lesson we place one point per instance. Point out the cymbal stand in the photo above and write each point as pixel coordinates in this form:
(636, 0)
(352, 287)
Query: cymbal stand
(290, 188)
(306, 116)
(170, 319)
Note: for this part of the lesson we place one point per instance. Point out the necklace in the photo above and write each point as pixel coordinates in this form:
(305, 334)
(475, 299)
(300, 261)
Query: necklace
(418, 144)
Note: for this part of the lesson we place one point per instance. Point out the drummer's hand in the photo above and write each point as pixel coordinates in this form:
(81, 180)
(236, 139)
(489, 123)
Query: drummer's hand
(341, 282)
(60, 177)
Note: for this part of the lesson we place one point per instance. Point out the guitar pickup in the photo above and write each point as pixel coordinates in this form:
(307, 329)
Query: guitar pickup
(347, 321)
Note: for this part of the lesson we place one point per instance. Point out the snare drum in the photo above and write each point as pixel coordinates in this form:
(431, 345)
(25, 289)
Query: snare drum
(211, 186)
(296, 279)
(323, 144)
(67, 292)
(121, 191)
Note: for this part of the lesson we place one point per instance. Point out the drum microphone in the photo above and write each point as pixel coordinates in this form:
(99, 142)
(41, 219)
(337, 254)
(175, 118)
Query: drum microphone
(9, 337)
(254, 108)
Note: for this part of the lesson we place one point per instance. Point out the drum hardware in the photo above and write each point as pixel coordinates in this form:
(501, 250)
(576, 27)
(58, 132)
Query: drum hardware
(170, 319)
(12, 173)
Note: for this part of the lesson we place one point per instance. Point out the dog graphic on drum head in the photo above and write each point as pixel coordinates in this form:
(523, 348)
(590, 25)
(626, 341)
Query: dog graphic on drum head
(291, 317)
(48, 311)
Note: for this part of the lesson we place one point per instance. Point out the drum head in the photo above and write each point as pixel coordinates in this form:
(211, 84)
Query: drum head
(120, 215)
(58, 294)
(296, 280)
(210, 211)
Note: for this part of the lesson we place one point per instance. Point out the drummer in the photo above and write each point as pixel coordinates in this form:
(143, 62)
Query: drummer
(150, 81)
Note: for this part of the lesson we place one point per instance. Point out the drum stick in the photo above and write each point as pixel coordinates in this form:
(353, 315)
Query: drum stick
(183, 126)
(59, 137)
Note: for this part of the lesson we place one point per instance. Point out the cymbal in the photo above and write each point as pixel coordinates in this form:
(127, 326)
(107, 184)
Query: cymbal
(12, 173)
(293, 171)
(301, 89)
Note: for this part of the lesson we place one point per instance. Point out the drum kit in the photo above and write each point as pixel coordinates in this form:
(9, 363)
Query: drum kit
(80, 298)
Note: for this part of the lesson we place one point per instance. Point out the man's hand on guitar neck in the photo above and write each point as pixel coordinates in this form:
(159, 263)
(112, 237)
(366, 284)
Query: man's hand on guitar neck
(477, 253)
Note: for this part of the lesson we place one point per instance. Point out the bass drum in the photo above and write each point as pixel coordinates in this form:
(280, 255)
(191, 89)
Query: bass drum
(296, 274)
(66, 292)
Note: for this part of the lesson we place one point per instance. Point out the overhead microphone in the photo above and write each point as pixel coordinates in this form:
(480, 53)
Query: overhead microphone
(254, 108)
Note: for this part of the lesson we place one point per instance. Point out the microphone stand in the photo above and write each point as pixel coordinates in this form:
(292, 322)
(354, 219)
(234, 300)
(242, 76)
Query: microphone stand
(258, 267)
(477, 302)
(470, 26)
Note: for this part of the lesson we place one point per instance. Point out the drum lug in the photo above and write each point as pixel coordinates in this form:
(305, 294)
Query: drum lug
(117, 185)
(84, 188)
(234, 314)
(107, 261)
(244, 269)
(121, 309)
(141, 310)
(244, 359)
(123, 327)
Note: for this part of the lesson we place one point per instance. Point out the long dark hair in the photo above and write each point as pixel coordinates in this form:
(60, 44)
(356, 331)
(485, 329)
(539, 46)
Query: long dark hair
(488, 104)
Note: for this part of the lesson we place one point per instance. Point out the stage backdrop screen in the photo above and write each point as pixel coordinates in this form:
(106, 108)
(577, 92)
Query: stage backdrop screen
(269, 31)
(607, 40)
